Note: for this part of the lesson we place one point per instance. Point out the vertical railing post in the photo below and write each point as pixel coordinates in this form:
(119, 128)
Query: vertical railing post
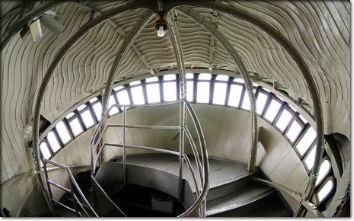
(124, 149)
(172, 22)
(48, 186)
(243, 71)
(73, 195)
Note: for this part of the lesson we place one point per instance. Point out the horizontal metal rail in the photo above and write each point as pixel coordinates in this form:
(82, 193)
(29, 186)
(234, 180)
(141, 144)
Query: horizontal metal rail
(145, 148)
(73, 182)
(97, 145)
(146, 127)
(106, 196)
(106, 115)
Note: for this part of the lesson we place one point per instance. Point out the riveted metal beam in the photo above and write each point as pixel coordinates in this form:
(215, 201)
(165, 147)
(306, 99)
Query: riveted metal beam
(242, 68)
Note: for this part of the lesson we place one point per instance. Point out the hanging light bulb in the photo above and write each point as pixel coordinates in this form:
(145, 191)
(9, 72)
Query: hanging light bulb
(160, 32)
(161, 27)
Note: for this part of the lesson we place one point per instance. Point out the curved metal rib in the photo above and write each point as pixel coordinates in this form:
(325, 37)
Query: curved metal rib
(202, 165)
(293, 52)
(205, 189)
(238, 61)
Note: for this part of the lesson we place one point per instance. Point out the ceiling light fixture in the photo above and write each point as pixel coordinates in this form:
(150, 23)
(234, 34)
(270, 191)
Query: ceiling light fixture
(161, 27)
(161, 24)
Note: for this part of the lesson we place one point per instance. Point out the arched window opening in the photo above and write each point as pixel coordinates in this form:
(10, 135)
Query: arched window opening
(153, 90)
(261, 102)
(97, 108)
(53, 141)
(324, 191)
(169, 88)
(63, 132)
(45, 150)
(325, 168)
(273, 109)
(202, 88)
(236, 92)
(220, 87)
(74, 124)
(306, 141)
(284, 119)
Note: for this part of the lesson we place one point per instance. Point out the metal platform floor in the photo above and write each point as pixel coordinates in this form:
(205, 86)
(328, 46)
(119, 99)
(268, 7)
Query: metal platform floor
(220, 171)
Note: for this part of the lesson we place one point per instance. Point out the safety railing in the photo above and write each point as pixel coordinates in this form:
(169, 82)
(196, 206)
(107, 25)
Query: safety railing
(97, 145)
(73, 189)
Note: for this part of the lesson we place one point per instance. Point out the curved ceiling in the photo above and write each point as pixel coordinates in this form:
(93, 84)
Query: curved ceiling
(319, 30)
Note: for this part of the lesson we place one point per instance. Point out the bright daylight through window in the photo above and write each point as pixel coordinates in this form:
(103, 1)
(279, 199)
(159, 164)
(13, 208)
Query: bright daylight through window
(226, 91)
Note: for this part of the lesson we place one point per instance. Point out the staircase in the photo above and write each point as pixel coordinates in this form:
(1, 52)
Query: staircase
(184, 178)
(232, 191)
(244, 197)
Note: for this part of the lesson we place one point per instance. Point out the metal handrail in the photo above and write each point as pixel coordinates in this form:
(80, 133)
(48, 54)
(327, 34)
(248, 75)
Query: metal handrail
(293, 194)
(204, 151)
(97, 145)
(106, 196)
(72, 182)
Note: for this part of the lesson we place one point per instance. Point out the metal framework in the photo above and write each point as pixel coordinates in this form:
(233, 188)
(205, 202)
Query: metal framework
(211, 4)
(172, 22)
(74, 190)
(238, 61)
(97, 145)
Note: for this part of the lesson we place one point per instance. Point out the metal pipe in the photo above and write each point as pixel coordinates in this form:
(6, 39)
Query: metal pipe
(127, 42)
(193, 175)
(195, 153)
(61, 52)
(205, 189)
(80, 205)
(73, 198)
(124, 151)
(74, 183)
(179, 58)
(106, 196)
(294, 53)
(238, 61)
(145, 148)
(147, 127)
(50, 200)
(65, 206)
(59, 186)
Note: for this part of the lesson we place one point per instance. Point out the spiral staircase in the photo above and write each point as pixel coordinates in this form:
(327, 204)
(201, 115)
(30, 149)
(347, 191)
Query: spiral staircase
(162, 182)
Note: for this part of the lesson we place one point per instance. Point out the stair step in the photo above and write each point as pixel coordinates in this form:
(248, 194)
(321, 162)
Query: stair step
(238, 199)
(268, 206)
(229, 185)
